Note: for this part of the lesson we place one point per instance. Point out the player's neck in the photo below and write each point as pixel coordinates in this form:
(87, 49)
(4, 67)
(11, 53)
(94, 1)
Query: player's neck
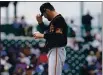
(54, 14)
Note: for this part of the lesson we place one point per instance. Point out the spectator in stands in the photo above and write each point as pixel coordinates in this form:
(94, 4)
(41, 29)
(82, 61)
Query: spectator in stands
(35, 50)
(23, 25)
(29, 70)
(42, 58)
(73, 26)
(12, 55)
(16, 26)
(24, 59)
(33, 61)
(72, 43)
(23, 22)
(42, 62)
(26, 51)
(20, 69)
(86, 22)
(5, 65)
(99, 62)
(91, 59)
(2, 51)
(88, 37)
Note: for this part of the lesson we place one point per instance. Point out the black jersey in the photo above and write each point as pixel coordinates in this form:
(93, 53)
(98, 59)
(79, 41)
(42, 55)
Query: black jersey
(56, 32)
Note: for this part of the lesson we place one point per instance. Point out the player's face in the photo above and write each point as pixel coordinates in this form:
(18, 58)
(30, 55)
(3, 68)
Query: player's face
(46, 15)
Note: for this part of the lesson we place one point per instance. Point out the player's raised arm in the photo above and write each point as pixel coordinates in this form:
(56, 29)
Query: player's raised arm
(41, 23)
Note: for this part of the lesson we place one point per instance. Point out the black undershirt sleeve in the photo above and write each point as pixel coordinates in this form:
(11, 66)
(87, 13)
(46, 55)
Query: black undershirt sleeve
(43, 27)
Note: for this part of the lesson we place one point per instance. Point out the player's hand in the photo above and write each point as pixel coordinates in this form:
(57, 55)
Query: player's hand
(38, 35)
(39, 18)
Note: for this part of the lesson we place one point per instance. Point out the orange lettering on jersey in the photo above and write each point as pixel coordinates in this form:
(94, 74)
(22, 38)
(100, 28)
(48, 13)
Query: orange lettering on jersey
(59, 30)
(51, 28)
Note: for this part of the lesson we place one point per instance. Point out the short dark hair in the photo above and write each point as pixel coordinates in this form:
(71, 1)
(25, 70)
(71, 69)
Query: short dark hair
(45, 6)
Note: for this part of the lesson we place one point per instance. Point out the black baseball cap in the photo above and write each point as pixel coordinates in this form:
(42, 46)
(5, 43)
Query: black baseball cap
(45, 6)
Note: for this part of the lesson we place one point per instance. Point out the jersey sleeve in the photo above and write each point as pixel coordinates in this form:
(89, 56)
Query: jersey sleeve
(43, 27)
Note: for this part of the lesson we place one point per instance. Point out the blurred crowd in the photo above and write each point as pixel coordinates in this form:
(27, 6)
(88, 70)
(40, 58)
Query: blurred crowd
(32, 60)
(17, 60)
(21, 26)
(90, 47)
(93, 64)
